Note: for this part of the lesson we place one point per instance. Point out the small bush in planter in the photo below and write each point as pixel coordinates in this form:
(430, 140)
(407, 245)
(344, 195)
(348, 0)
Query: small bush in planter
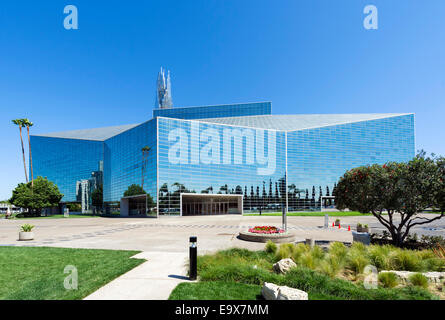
(362, 227)
(388, 279)
(27, 227)
(337, 222)
(419, 280)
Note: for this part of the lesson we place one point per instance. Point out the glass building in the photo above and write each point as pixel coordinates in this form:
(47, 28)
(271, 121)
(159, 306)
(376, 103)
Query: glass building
(219, 159)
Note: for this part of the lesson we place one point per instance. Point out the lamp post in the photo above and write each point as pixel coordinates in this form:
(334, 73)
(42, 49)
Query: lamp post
(193, 253)
(284, 219)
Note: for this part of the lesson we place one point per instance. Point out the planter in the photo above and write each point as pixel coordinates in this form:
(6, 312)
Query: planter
(259, 237)
(362, 237)
(337, 223)
(362, 229)
(24, 236)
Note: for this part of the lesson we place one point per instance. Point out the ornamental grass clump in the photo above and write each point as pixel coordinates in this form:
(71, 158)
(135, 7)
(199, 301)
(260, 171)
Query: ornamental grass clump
(407, 260)
(299, 250)
(382, 257)
(357, 258)
(270, 247)
(285, 251)
(430, 262)
(308, 257)
(338, 250)
(332, 265)
(418, 280)
(388, 279)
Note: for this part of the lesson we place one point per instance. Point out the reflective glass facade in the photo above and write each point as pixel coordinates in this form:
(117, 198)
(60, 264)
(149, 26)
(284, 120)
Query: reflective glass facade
(318, 157)
(198, 157)
(124, 163)
(69, 163)
(228, 110)
(267, 169)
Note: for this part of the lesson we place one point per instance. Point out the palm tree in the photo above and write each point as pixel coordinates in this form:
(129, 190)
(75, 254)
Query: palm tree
(20, 123)
(28, 124)
(145, 150)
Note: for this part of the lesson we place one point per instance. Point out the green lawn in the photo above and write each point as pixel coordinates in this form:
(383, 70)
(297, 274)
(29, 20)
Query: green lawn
(58, 216)
(240, 273)
(313, 214)
(36, 273)
(216, 290)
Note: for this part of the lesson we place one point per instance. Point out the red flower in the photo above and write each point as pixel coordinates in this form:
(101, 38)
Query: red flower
(265, 230)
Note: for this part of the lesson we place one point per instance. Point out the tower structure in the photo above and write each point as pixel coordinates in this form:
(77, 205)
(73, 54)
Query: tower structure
(163, 90)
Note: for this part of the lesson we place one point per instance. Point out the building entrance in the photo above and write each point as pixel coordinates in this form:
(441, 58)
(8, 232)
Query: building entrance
(211, 204)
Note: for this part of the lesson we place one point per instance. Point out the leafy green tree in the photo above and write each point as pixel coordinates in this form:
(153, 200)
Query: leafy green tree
(44, 194)
(134, 190)
(401, 190)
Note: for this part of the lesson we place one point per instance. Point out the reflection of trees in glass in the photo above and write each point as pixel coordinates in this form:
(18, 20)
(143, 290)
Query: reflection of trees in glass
(134, 190)
(224, 189)
(97, 197)
(270, 200)
(254, 199)
(145, 150)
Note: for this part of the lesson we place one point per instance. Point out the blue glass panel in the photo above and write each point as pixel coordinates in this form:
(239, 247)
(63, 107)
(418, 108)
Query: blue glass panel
(201, 157)
(124, 161)
(220, 111)
(318, 157)
(67, 162)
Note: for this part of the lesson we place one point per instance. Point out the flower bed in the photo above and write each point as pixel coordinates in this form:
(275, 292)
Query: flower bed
(265, 233)
(266, 230)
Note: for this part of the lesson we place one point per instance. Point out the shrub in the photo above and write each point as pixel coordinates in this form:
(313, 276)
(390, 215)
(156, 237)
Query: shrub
(418, 280)
(430, 262)
(307, 260)
(332, 265)
(299, 250)
(338, 250)
(237, 266)
(357, 258)
(407, 260)
(317, 252)
(285, 251)
(440, 254)
(27, 227)
(382, 256)
(270, 247)
(388, 279)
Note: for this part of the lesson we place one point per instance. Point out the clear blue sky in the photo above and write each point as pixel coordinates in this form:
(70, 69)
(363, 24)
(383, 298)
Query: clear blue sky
(306, 56)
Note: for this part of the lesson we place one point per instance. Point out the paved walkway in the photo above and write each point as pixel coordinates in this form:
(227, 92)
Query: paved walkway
(152, 280)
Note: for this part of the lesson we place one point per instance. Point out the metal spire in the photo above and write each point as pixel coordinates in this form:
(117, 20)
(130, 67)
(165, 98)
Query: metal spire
(164, 95)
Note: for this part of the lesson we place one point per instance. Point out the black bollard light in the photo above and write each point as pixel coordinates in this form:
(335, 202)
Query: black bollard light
(193, 255)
